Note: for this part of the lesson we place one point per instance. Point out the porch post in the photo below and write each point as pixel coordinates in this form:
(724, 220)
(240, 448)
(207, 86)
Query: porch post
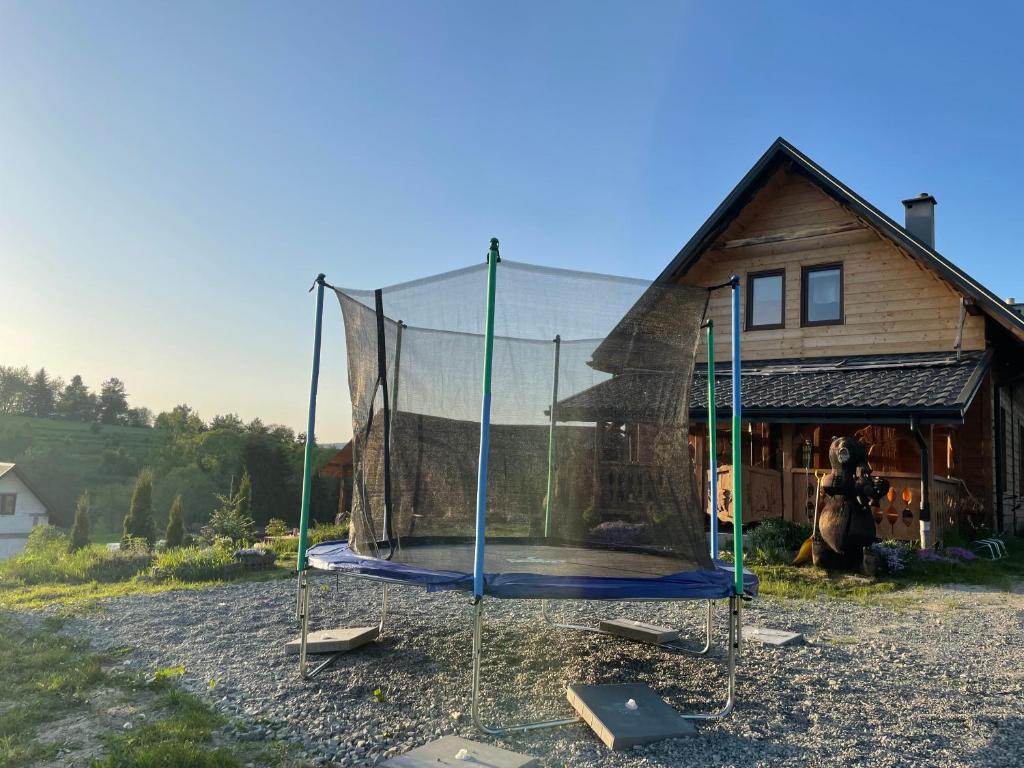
(485, 427)
(926, 483)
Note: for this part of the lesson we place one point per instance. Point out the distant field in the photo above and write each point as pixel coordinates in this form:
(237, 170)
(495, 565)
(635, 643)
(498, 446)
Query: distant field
(64, 458)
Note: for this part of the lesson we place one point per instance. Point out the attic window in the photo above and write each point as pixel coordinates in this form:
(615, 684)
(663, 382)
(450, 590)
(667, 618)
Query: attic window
(7, 501)
(766, 300)
(822, 295)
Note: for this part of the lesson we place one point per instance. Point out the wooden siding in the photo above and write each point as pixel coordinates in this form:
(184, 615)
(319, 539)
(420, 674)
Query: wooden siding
(892, 304)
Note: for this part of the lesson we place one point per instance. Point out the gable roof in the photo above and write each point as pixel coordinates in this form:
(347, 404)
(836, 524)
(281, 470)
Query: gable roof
(9, 468)
(782, 151)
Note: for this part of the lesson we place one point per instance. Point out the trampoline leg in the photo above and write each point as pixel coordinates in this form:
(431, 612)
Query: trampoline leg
(383, 609)
(478, 633)
(675, 646)
(733, 651)
(304, 670)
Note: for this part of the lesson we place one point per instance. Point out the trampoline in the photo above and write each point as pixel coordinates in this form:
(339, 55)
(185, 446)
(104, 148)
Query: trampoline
(574, 481)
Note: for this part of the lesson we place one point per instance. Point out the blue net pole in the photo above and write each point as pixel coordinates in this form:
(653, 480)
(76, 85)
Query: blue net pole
(737, 438)
(485, 427)
(712, 443)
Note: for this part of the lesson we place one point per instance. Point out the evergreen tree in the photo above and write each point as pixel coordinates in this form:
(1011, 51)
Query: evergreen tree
(41, 397)
(138, 523)
(243, 499)
(14, 386)
(113, 402)
(80, 530)
(77, 403)
(175, 525)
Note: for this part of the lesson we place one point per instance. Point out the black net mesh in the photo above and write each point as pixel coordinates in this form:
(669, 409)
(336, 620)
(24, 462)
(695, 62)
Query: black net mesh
(621, 473)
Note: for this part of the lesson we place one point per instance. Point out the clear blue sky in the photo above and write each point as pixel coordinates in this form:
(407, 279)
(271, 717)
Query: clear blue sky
(173, 174)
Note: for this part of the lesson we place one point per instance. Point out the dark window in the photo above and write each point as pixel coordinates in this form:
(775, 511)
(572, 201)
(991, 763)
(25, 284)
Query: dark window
(766, 299)
(7, 501)
(822, 295)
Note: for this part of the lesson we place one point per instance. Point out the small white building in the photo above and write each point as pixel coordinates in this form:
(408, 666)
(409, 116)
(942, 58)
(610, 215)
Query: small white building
(21, 510)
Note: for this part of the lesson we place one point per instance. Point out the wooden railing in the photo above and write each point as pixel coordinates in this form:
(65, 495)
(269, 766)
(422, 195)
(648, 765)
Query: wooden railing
(625, 486)
(898, 515)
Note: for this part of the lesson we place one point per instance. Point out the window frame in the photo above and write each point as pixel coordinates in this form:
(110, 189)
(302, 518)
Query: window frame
(805, 283)
(14, 504)
(749, 313)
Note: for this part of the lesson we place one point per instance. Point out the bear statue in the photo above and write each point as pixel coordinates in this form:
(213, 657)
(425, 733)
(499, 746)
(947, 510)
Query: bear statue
(846, 523)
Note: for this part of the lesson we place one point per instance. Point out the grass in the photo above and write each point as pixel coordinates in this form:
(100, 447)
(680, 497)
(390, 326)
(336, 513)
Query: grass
(790, 582)
(48, 676)
(75, 598)
(45, 675)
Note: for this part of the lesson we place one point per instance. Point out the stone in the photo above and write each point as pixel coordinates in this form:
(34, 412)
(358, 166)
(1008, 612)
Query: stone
(768, 636)
(639, 630)
(627, 714)
(456, 752)
(333, 640)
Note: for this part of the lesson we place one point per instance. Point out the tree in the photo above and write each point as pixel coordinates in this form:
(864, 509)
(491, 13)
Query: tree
(80, 530)
(228, 421)
(77, 403)
(113, 402)
(138, 523)
(231, 520)
(175, 524)
(40, 396)
(14, 384)
(138, 417)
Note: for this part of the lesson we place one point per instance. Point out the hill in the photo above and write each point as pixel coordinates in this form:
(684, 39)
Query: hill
(63, 458)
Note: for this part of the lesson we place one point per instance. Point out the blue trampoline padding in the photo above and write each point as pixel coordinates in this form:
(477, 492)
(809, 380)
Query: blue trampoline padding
(695, 585)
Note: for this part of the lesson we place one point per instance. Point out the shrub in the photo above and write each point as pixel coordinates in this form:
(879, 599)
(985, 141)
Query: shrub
(175, 534)
(276, 527)
(80, 530)
(328, 532)
(773, 542)
(231, 521)
(193, 564)
(46, 560)
(138, 523)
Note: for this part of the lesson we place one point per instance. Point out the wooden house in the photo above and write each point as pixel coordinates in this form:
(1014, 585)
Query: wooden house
(856, 325)
(852, 325)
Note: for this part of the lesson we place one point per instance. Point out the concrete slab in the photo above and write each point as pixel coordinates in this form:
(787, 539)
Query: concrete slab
(606, 709)
(769, 636)
(333, 640)
(448, 751)
(639, 630)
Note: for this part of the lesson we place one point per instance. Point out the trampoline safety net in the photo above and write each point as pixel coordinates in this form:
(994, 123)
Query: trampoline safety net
(589, 451)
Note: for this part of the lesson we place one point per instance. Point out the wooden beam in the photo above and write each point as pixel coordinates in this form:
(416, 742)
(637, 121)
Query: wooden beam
(796, 234)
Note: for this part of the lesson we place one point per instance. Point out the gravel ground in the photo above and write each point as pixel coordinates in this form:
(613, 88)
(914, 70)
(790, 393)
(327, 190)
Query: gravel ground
(935, 678)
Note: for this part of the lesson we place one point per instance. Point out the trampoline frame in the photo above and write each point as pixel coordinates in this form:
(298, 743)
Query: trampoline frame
(735, 599)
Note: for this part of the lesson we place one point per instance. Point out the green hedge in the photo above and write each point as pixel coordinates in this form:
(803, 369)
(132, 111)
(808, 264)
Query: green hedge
(46, 560)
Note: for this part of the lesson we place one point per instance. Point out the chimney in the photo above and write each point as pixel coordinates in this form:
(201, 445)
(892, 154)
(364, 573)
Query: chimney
(921, 218)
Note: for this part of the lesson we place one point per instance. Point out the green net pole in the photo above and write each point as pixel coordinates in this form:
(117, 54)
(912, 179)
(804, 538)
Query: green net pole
(737, 440)
(307, 467)
(485, 426)
(712, 442)
(551, 441)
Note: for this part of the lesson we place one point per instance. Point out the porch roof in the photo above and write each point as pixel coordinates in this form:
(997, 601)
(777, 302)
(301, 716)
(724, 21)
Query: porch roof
(933, 387)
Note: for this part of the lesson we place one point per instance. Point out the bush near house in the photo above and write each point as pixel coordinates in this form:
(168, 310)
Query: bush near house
(46, 559)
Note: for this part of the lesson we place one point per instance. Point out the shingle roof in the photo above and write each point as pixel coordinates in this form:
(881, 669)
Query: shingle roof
(934, 387)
